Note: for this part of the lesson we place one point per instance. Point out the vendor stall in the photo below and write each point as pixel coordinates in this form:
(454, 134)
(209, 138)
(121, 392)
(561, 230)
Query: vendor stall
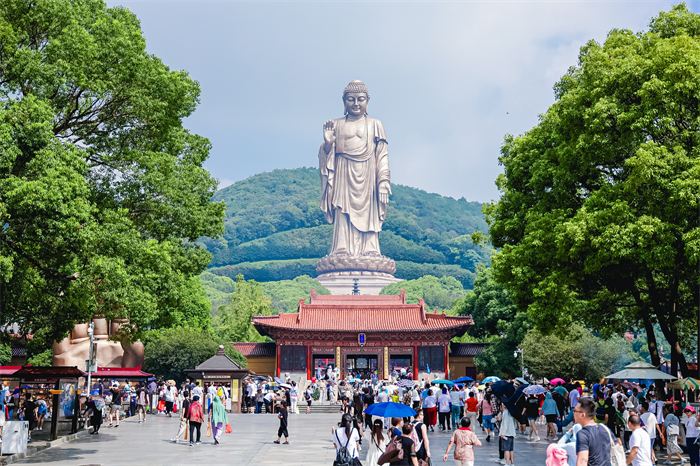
(58, 384)
(133, 376)
(220, 369)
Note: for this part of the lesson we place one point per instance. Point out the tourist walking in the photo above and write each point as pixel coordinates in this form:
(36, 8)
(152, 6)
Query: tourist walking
(408, 446)
(430, 407)
(116, 404)
(464, 440)
(95, 406)
(507, 432)
(456, 409)
(345, 440)
(691, 434)
(444, 410)
(169, 392)
(195, 416)
(377, 443)
(652, 426)
(550, 411)
(218, 419)
(141, 400)
(308, 396)
(532, 411)
(294, 397)
(640, 444)
(420, 436)
(184, 413)
(593, 440)
(471, 405)
(486, 409)
(672, 425)
(283, 417)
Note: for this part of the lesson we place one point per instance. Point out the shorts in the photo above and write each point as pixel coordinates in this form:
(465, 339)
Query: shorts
(551, 417)
(308, 402)
(531, 418)
(115, 407)
(507, 444)
(141, 409)
(487, 424)
(463, 462)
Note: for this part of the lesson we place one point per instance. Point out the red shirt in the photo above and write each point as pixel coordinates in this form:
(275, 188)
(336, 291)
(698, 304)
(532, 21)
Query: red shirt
(471, 404)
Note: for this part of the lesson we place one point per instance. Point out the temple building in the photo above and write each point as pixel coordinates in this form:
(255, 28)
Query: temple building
(361, 335)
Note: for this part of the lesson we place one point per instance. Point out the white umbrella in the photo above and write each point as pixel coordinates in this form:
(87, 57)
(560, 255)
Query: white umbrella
(640, 370)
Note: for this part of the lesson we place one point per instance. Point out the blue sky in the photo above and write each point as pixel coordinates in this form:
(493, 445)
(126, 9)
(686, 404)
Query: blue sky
(448, 79)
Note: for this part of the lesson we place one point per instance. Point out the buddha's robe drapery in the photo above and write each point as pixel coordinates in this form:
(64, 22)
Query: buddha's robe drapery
(349, 188)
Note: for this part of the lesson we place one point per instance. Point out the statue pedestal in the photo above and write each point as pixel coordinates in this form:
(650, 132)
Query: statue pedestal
(372, 272)
(369, 283)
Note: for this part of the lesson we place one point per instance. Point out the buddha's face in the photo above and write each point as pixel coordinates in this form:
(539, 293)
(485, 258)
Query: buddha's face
(356, 103)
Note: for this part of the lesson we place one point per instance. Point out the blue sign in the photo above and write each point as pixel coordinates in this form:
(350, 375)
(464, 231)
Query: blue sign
(361, 338)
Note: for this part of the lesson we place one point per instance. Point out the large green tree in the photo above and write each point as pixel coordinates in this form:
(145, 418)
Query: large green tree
(102, 189)
(598, 220)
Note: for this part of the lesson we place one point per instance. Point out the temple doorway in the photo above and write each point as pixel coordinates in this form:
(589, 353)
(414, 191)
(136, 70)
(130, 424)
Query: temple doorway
(362, 365)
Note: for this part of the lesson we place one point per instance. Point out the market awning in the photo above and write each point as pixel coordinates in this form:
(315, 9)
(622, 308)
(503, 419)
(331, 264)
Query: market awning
(9, 370)
(640, 371)
(121, 373)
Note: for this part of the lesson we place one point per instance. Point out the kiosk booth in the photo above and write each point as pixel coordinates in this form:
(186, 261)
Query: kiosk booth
(221, 370)
(60, 385)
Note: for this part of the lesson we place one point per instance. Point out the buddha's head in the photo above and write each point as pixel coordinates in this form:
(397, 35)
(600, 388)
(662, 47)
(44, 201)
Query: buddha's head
(356, 98)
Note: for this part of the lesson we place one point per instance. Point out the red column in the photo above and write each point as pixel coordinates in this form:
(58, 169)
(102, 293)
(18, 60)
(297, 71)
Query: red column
(279, 359)
(309, 363)
(415, 362)
(447, 361)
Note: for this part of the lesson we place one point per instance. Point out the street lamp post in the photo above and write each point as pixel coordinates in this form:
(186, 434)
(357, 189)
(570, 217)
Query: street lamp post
(522, 360)
(91, 332)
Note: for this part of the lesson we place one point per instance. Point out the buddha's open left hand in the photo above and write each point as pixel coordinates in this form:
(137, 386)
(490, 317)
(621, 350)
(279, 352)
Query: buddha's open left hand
(384, 192)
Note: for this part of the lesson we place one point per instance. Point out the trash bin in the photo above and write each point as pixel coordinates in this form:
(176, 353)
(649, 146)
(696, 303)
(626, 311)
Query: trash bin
(14, 437)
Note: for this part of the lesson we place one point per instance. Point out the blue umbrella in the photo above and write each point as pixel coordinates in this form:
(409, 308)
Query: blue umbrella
(355, 380)
(441, 381)
(278, 380)
(463, 379)
(490, 379)
(390, 409)
(522, 381)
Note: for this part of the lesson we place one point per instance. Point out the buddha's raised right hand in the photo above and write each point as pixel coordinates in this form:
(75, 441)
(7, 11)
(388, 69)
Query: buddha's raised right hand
(328, 134)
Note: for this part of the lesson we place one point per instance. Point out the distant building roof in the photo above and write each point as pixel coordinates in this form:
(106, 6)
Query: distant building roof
(467, 349)
(256, 349)
(359, 316)
(219, 362)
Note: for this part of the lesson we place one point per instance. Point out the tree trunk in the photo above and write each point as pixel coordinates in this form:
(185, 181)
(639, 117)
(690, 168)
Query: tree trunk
(654, 354)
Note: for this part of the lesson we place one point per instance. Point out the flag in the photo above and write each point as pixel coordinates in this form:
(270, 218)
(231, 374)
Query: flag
(428, 366)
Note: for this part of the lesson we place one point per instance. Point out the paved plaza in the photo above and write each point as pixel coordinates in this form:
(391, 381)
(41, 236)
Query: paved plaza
(249, 444)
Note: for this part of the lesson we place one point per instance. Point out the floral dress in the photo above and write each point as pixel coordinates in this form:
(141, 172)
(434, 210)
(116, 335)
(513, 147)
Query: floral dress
(672, 441)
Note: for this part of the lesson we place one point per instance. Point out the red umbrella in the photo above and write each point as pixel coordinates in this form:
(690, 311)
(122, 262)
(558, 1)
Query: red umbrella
(557, 381)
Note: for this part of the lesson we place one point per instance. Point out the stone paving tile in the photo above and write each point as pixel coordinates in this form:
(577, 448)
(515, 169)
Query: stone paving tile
(250, 444)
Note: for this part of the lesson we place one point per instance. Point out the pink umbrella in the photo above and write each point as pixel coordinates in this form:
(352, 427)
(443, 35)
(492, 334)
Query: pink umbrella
(557, 381)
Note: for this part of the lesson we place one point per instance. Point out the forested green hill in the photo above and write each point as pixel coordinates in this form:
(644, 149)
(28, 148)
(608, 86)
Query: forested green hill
(275, 230)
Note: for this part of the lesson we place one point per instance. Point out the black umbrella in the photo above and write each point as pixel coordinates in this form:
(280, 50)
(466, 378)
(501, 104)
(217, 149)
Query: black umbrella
(502, 389)
(511, 404)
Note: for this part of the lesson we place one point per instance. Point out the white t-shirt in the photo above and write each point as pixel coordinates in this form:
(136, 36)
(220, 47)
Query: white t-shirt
(640, 439)
(383, 397)
(690, 429)
(573, 396)
(444, 403)
(455, 397)
(339, 438)
(416, 395)
(197, 391)
(650, 423)
(430, 402)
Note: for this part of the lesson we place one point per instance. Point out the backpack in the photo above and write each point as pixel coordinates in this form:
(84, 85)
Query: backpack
(393, 452)
(414, 435)
(342, 456)
(600, 411)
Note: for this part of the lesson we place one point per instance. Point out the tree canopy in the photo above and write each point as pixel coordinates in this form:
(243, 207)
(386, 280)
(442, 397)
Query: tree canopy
(233, 321)
(102, 189)
(598, 220)
(171, 351)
